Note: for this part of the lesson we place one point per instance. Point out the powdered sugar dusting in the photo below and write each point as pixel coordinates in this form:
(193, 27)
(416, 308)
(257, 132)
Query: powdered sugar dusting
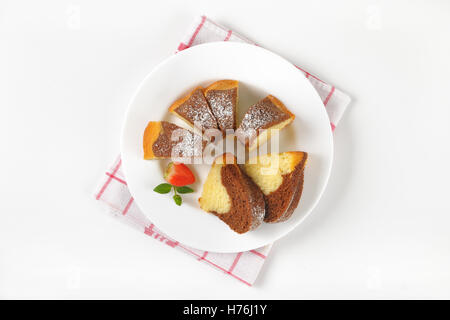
(262, 115)
(196, 110)
(258, 213)
(187, 144)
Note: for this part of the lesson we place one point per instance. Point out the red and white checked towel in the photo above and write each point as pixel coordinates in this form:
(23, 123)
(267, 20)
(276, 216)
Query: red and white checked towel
(113, 190)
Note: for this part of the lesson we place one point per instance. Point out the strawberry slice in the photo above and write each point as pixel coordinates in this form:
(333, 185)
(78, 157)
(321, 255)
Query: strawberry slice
(178, 174)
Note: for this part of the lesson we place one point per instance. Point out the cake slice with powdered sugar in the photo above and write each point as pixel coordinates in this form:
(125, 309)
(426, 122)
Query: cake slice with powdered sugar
(222, 97)
(194, 110)
(264, 116)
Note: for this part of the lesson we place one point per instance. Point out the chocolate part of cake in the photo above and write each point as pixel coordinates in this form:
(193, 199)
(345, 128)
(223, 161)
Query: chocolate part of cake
(248, 207)
(195, 110)
(262, 115)
(223, 106)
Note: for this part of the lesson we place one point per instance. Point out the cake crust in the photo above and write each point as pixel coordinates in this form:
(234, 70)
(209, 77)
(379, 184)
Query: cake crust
(195, 111)
(151, 134)
(295, 200)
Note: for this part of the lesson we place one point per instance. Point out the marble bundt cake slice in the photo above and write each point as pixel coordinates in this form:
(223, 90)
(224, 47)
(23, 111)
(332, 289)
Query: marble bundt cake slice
(231, 195)
(165, 140)
(264, 116)
(222, 97)
(195, 111)
(280, 178)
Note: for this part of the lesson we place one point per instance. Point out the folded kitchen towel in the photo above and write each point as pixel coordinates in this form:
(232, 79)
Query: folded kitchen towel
(113, 190)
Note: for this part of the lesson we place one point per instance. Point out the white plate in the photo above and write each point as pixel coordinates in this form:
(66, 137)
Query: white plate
(260, 72)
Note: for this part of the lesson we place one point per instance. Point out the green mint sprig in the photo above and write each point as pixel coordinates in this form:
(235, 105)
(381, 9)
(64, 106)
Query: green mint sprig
(167, 187)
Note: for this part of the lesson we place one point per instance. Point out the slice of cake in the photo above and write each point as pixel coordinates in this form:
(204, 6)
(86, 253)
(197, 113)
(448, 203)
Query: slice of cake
(264, 116)
(231, 195)
(222, 97)
(165, 140)
(280, 178)
(195, 111)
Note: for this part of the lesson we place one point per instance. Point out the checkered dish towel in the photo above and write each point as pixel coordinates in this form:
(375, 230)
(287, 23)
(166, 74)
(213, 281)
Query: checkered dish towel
(113, 190)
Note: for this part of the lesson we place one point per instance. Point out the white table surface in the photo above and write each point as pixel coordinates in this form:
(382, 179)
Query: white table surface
(68, 70)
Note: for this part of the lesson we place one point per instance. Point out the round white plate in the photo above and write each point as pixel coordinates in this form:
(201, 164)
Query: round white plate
(260, 72)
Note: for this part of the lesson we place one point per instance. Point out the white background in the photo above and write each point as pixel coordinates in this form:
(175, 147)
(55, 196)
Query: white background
(68, 70)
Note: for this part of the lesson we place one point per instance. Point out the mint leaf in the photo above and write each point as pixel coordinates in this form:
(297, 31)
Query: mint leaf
(177, 199)
(184, 190)
(163, 188)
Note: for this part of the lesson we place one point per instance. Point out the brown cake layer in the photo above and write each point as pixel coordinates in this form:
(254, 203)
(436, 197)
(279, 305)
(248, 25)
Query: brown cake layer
(194, 109)
(295, 200)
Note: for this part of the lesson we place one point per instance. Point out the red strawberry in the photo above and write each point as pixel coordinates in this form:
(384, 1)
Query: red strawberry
(178, 174)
